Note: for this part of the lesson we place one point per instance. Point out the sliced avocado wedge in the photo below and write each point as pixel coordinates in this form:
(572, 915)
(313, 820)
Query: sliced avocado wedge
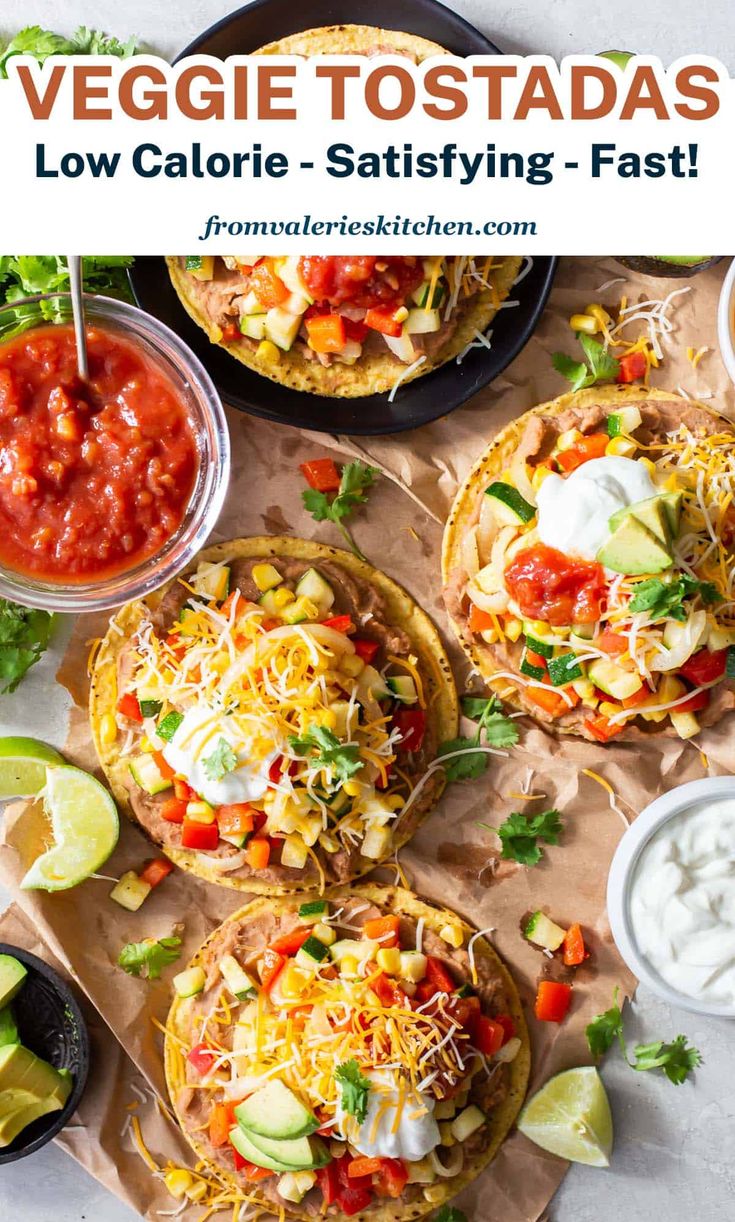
(671, 502)
(275, 1112)
(301, 1154)
(13, 1122)
(652, 513)
(12, 975)
(634, 550)
(8, 1027)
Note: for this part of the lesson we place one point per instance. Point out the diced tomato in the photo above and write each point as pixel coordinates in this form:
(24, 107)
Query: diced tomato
(412, 726)
(639, 697)
(365, 649)
(229, 603)
(201, 836)
(267, 286)
(439, 976)
(258, 853)
(355, 329)
(552, 1001)
(509, 1027)
(163, 766)
(326, 333)
(694, 704)
(383, 319)
(549, 586)
(363, 280)
(231, 333)
(363, 1166)
(705, 666)
(321, 474)
(328, 1180)
(182, 791)
(633, 365)
(611, 642)
(202, 1057)
(600, 728)
(389, 993)
(353, 1200)
(574, 948)
(291, 942)
(235, 819)
(582, 451)
(339, 623)
(392, 1178)
(173, 810)
(550, 701)
(156, 870)
(221, 1120)
(463, 1010)
(129, 706)
(489, 1036)
(272, 964)
(479, 620)
(383, 929)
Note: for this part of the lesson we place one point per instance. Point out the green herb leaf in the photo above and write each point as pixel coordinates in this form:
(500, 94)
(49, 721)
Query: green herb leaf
(342, 758)
(42, 43)
(464, 767)
(574, 371)
(355, 1088)
(449, 1213)
(519, 835)
(222, 760)
(676, 1059)
(499, 730)
(600, 366)
(149, 957)
(605, 1029)
(665, 599)
(24, 636)
(357, 477)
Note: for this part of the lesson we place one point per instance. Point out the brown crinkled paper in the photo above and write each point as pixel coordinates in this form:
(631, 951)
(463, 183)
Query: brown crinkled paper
(452, 859)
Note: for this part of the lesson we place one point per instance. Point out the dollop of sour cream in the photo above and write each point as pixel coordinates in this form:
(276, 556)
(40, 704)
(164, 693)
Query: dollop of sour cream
(399, 1122)
(574, 513)
(682, 902)
(195, 740)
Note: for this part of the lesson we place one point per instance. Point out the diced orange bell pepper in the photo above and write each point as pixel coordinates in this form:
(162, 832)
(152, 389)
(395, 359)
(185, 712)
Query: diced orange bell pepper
(479, 620)
(235, 819)
(549, 700)
(363, 1166)
(382, 929)
(552, 1001)
(221, 1121)
(326, 332)
(173, 810)
(582, 451)
(639, 697)
(258, 853)
(156, 870)
(163, 766)
(600, 728)
(267, 286)
(272, 964)
(488, 1036)
(392, 1178)
(291, 942)
(535, 659)
(574, 948)
(321, 474)
(611, 642)
(383, 319)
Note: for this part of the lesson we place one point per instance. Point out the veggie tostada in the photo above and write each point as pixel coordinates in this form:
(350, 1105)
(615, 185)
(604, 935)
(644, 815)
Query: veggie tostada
(271, 718)
(588, 564)
(361, 1056)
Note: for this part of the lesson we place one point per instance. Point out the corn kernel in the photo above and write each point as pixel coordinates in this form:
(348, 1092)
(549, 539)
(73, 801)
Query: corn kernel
(453, 935)
(445, 1131)
(177, 1182)
(566, 440)
(282, 597)
(435, 1193)
(108, 729)
(608, 709)
(353, 789)
(585, 323)
(351, 665)
(624, 447)
(395, 801)
(539, 475)
(324, 717)
(599, 313)
(513, 628)
(388, 959)
(324, 933)
(489, 636)
(539, 628)
(268, 352)
(200, 812)
(266, 577)
(401, 314)
(146, 745)
(197, 1191)
(349, 965)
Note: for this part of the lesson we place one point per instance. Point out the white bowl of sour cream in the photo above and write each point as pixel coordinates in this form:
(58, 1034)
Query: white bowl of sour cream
(671, 896)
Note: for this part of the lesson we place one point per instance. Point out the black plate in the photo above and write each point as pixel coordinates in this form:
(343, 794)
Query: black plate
(50, 1023)
(420, 401)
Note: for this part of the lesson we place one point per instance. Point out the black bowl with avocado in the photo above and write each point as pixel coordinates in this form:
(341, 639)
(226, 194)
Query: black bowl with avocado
(664, 266)
(44, 1053)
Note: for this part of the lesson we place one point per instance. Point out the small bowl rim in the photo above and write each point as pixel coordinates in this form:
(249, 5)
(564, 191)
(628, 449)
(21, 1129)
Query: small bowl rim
(57, 1120)
(725, 306)
(620, 876)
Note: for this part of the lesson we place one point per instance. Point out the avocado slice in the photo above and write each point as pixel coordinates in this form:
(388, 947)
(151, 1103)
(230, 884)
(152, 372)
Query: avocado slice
(12, 976)
(634, 550)
(652, 513)
(13, 1122)
(299, 1150)
(668, 266)
(671, 502)
(20, 1068)
(275, 1112)
(8, 1027)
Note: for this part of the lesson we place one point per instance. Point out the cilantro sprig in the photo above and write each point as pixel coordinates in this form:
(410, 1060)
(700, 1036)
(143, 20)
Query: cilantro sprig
(24, 636)
(41, 43)
(356, 478)
(520, 833)
(676, 1058)
(149, 957)
(343, 758)
(355, 1088)
(665, 599)
(493, 727)
(598, 364)
(221, 761)
(449, 1213)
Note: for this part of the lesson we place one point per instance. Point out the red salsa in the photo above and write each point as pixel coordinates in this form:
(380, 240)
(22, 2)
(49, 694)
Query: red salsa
(93, 478)
(361, 280)
(549, 586)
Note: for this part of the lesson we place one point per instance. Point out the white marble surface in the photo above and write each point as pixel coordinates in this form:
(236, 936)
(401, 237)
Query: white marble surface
(673, 1155)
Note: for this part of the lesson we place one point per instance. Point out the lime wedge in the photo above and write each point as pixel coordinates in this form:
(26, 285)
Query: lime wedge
(85, 827)
(570, 1116)
(23, 766)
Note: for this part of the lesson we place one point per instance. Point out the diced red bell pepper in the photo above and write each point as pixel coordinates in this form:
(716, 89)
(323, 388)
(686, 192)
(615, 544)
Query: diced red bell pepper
(328, 1181)
(231, 333)
(129, 706)
(321, 474)
(412, 726)
(182, 791)
(552, 1001)
(694, 704)
(273, 962)
(705, 666)
(391, 1178)
(488, 1036)
(639, 697)
(326, 333)
(632, 365)
(173, 810)
(365, 649)
(582, 451)
(163, 766)
(249, 1170)
(509, 1027)
(202, 1057)
(389, 992)
(235, 819)
(550, 701)
(201, 836)
(600, 728)
(535, 659)
(156, 870)
(355, 329)
(465, 1011)
(479, 620)
(573, 945)
(439, 976)
(383, 319)
(383, 929)
(267, 286)
(291, 942)
(339, 623)
(221, 1121)
(352, 1201)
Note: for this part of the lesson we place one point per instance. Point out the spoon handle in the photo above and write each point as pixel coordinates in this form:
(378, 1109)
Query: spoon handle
(77, 302)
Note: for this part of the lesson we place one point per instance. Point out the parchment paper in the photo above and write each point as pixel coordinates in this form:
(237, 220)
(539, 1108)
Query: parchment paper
(452, 859)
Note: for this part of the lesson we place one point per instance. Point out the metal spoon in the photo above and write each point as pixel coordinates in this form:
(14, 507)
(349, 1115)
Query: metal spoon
(77, 303)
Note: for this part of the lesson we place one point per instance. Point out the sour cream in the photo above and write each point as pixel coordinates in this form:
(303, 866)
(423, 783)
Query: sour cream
(195, 740)
(379, 1136)
(574, 513)
(682, 902)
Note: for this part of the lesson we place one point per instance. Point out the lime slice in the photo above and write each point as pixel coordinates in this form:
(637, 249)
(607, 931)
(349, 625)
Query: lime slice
(570, 1116)
(23, 766)
(85, 827)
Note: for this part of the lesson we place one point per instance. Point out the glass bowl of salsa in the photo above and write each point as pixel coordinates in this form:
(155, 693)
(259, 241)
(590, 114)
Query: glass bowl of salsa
(108, 487)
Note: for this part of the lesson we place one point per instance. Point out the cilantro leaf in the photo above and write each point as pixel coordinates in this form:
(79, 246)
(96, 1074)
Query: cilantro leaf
(355, 1088)
(665, 599)
(150, 956)
(465, 767)
(498, 731)
(519, 834)
(574, 371)
(24, 636)
(599, 365)
(448, 1213)
(676, 1059)
(356, 478)
(342, 758)
(42, 43)
(222, 760)
(605, 1029)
